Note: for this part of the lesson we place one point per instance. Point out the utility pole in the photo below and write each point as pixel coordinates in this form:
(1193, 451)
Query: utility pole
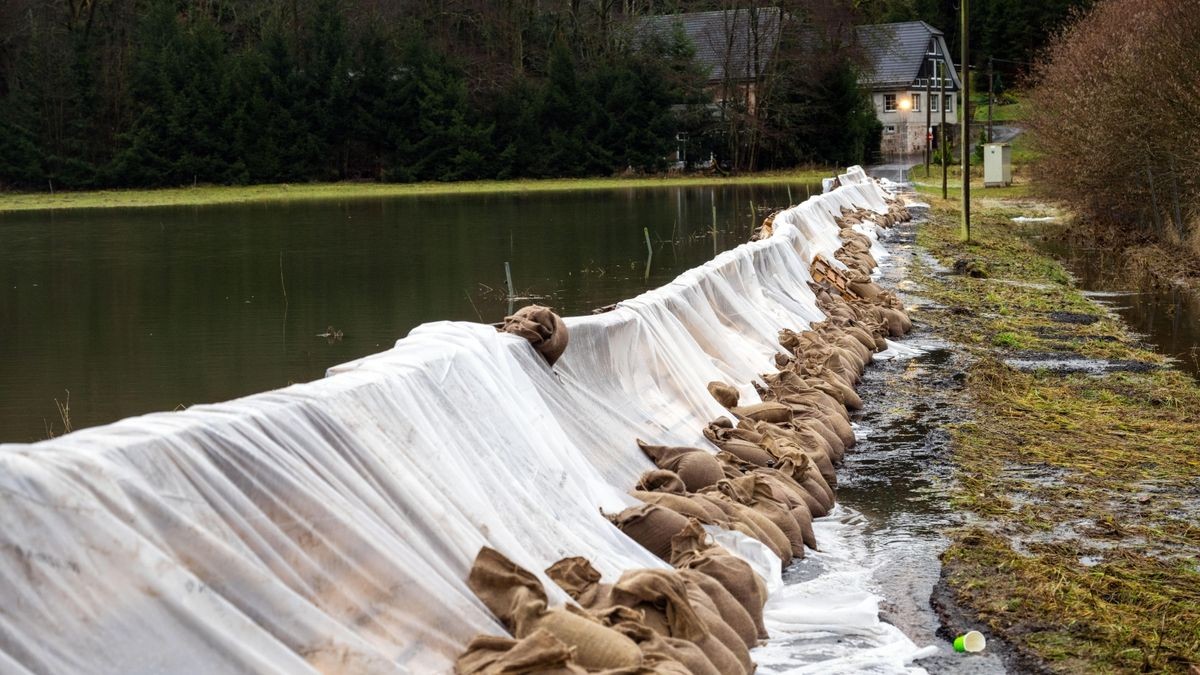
(964, 113)
(942, 127)
(929, 116)
(991, 97)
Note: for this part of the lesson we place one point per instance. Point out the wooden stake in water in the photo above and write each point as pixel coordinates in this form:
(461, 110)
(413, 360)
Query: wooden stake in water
(790, 202)
(649, 253)
(508, 280)
(751, 216)
(714, 228)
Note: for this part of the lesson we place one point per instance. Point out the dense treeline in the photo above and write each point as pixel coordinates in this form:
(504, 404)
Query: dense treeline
(167, 92)
(1115, 115)
(98, 93)
(148, 93)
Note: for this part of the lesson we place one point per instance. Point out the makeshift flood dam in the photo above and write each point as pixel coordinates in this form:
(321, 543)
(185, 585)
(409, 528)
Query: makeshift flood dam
(465, 501)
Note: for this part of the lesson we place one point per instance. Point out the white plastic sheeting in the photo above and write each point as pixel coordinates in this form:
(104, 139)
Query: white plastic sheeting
(330, 525)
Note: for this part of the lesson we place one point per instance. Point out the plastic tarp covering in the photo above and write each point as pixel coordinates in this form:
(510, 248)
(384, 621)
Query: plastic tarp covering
(330, 526)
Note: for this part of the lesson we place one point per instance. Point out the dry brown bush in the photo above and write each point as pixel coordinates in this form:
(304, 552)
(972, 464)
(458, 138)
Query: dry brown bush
(1116, 112)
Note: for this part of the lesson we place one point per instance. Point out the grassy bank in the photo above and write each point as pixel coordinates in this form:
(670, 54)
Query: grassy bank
(221, 194)
(1079, 492)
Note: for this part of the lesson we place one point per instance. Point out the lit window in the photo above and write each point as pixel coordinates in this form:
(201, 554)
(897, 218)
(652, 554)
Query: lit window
(916, 102)
(889, 103)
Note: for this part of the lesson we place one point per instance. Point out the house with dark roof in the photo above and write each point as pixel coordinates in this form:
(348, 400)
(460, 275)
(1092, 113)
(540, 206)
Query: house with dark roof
(906, 65)
(735, 47)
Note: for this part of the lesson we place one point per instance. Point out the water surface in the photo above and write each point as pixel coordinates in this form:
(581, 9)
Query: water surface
(138, 310)
(1169, 319)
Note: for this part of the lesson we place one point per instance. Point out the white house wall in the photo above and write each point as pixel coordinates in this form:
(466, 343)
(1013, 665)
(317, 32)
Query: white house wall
(909, 134)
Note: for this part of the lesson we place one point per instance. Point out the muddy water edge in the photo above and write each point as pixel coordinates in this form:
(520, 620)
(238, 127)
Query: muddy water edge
(896, 477)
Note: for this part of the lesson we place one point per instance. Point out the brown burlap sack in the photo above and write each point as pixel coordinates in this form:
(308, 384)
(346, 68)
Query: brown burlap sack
(661, 480)
(814, 504)
(746, 451)
(680, 504)
(577, 577)
(783, 492)
(730, 571)
(664, 593)
(697, 468)
(517, 598)
(502, 585)
(778, 540)
(740, 522)
(543, 329)
(540, 653)
(750, 491)
(770, 411)
(732, 612)
(659, 652)
(595, 645)
(651, 526)
(726, 394)
(707, 610)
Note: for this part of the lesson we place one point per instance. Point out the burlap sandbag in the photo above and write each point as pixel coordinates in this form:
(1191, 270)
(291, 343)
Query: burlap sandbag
(663, 598)
(765, 412)
(732, 612)
(680, 504)
(708, 612)
(726, 394)
(778, 540)
(697, 468)
(596, 646)
(651, 526)
(543, 329)
(747, 452)
(577, 577)
(746, 490)
(692, 549)
(810, 500)
(658, 651)
(517, 598)
(661, 480)
(792, 500)
(540, 652)
(743, 519)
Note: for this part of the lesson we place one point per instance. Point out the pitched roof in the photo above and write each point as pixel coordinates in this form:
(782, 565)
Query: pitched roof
(739, 42)
(896, 52)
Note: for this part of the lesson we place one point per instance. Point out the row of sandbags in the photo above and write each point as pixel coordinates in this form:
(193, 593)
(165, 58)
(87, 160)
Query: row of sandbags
(774, 473)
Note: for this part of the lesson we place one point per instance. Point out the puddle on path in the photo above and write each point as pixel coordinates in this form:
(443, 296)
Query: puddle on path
(895, 477)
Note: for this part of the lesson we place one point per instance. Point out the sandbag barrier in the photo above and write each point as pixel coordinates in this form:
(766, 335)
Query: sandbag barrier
(774, 472)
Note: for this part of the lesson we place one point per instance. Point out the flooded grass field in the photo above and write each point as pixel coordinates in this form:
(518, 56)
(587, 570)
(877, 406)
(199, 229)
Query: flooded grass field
(138, 310)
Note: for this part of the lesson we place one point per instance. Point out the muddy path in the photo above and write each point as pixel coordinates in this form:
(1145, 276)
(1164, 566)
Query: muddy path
(896, 479)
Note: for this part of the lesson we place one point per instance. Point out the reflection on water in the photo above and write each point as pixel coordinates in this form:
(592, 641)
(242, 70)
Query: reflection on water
(1169, 319)
(136, 310)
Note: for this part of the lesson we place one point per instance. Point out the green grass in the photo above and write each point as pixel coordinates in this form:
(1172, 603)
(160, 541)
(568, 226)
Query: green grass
(1006, 113)
(1078, 490)
(210, 194)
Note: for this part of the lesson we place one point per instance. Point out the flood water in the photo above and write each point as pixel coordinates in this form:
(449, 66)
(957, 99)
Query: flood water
(1168, 319)
(139, 310)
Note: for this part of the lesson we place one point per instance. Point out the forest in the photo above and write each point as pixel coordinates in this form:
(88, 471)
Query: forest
(142, 93)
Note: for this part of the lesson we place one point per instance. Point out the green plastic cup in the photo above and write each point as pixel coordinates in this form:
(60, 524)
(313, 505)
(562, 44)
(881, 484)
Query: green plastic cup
(972, 641)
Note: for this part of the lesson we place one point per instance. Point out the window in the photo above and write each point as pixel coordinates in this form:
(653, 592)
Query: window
(889, 103)
(889, 129)
(916, 103)
(933, 103)
(949, 102)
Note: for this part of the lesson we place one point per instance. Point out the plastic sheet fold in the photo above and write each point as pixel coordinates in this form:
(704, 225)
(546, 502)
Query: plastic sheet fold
(329, 526)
